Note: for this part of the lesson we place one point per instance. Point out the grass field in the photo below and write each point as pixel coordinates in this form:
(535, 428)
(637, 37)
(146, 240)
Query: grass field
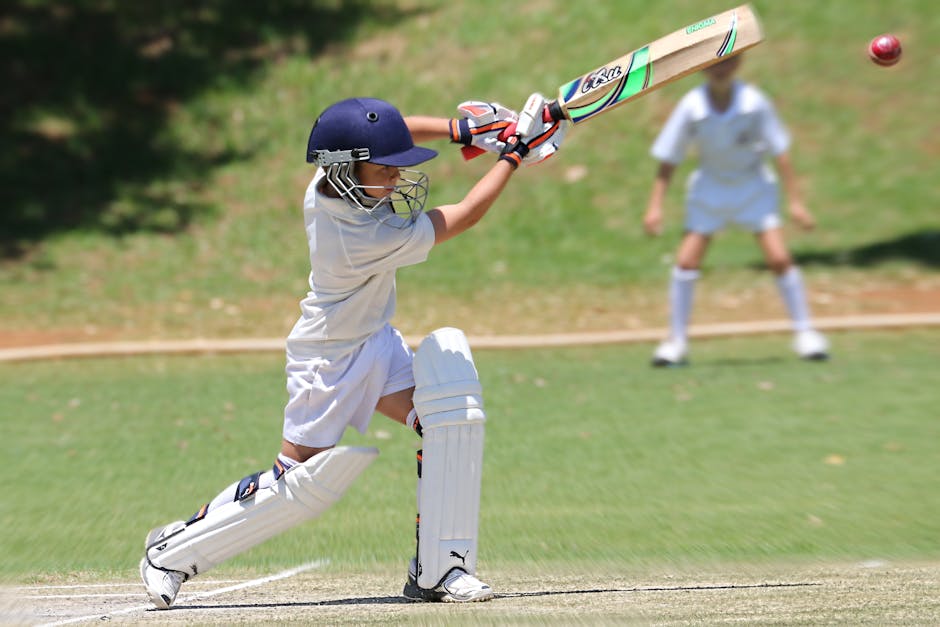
(750, 486)
(593, 460)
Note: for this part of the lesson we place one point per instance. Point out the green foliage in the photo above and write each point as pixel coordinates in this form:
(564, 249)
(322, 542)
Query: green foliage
(91, 127)
(593, 460)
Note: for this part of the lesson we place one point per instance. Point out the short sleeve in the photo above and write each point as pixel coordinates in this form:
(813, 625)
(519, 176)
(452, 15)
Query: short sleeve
(417, 245)
(673, 140)
(772, 129)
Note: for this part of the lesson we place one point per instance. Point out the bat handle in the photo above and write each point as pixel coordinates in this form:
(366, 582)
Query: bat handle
(553, 112)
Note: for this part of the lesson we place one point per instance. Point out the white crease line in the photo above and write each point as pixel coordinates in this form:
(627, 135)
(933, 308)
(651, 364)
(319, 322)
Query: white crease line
(77, 596)
(81, 586)
(199, 595)
(257, 582)
(80, 619)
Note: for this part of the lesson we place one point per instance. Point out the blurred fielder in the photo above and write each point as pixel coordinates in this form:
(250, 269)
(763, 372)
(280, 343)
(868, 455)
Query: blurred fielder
(733, 127)
(364, 219)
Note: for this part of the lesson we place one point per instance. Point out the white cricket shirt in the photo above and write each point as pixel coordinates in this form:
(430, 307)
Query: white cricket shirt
(732, 145)
(353, 258)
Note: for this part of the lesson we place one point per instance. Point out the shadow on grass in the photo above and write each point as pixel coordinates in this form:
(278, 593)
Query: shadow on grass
(399, 600)
(726, 362)
(657, 589)
(921, 247)
(89, 86)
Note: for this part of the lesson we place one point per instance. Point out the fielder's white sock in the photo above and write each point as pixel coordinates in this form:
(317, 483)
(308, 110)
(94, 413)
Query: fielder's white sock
(793, 293)
(681, 295)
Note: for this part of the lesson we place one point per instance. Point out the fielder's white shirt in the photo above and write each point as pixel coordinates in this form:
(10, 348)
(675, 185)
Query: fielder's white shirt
(732, 145)
(353, 258)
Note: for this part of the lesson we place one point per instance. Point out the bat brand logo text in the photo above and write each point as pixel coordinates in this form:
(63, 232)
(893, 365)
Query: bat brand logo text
(700, 25)
(600, 77)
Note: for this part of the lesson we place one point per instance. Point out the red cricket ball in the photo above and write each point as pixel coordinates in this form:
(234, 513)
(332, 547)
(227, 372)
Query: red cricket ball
(885, 50)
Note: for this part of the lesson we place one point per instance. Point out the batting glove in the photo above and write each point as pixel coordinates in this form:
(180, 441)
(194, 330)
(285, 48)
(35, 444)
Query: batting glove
(542, 136)
(535, 148)
(551, 136)
(479, 127)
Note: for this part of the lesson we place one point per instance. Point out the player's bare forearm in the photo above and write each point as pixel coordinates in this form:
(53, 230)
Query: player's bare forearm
(798, 210)
(427, 128)
(452, 220)
(661, 182)
(788, 177)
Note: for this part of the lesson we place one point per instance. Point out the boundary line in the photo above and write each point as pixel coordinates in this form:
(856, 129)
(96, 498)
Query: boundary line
(249, 345)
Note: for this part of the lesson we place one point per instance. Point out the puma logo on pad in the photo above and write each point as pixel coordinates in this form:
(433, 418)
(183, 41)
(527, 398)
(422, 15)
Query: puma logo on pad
(462, 558)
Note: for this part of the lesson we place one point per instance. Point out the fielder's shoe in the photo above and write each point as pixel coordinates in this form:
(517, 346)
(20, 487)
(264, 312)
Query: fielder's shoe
(162, 585)
(458, 586)
(811, 345)
(670, 353)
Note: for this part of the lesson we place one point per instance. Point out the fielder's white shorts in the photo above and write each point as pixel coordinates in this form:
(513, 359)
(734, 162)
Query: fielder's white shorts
(750, 203)
(328, 395)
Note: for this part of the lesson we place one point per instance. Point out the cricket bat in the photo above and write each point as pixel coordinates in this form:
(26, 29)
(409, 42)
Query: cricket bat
(658, 63)
(648, 68)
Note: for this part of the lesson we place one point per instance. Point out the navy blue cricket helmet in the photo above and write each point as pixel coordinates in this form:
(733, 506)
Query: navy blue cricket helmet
(366, 123)
(369, 129)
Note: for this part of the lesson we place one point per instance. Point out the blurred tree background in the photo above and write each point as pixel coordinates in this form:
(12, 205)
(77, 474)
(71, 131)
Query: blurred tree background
(89, 86)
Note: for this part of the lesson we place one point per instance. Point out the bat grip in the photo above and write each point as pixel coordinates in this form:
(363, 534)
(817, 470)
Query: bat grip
(553, 112)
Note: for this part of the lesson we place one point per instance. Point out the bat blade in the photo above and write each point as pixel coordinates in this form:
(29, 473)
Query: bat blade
(658, 63)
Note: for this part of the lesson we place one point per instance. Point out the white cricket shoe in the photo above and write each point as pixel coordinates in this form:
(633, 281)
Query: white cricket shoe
(811, 345)
(671, 353)
(162, 585)
(458, 586)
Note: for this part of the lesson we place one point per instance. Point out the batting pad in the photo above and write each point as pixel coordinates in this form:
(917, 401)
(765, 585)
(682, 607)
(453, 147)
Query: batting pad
(303, 492)
(449, 403)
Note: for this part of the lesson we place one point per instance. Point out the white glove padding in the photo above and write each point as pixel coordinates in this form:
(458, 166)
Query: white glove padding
(541, 142)
(539, 135)
(480, 124)
(545, 140)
